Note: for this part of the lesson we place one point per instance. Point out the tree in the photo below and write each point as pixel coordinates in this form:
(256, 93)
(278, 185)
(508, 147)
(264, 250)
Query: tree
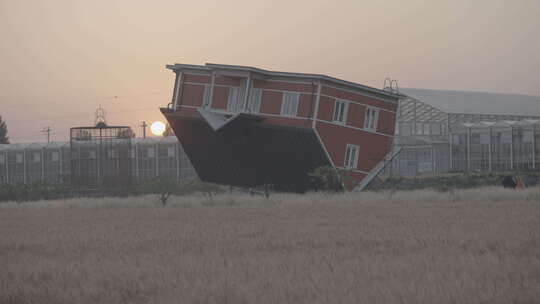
(326, 178)
(168, 131)
(4, 139)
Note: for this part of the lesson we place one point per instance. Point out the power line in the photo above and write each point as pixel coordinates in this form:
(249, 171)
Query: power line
(143, 126)
(47, 130)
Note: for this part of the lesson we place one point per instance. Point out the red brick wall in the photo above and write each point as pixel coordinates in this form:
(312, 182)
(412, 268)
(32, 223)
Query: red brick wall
(192, 95)
(306, 105)
(196, 78)
(356, 115)
(220, 98)
(386, 123)
(285, 86)
(326, 108)
(359, 98)
(373, 147)
(228, 81)
(271, 102)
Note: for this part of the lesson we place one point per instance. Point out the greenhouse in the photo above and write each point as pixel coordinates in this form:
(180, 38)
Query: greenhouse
(52, 162)
(454, 131)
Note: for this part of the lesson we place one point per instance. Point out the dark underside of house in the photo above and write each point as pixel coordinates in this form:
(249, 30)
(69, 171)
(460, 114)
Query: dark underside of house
(247, 152)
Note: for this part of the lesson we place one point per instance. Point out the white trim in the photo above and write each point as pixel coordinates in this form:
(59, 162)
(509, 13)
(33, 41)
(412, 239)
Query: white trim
(324, 148)
(316, 110)
(355, 92)
(351, 148)
(367, 119)
(297, 92)
(287, 91)
(359, 103)
(212, 85)
(355, 128)
(295, 99)
(302, 118)
(179, 84)
(353, 170)
(345, 111)
(345, 83)
(246, 93)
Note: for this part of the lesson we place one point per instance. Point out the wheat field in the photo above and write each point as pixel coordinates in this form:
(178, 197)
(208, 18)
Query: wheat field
(473, 246)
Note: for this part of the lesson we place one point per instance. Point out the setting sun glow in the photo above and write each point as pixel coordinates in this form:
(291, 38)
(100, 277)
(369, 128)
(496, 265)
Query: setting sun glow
(157, 128)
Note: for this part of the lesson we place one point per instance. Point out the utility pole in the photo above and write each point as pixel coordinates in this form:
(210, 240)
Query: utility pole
(143, 126)
(48, 131)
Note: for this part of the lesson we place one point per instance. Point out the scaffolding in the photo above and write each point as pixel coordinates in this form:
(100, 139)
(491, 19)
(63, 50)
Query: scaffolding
(100, 156)
(51, 162)
(434, 142)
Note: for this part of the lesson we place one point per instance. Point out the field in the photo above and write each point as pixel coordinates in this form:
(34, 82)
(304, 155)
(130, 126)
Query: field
(470, 246)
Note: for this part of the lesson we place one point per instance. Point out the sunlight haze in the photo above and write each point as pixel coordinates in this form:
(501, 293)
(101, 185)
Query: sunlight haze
(61, 59)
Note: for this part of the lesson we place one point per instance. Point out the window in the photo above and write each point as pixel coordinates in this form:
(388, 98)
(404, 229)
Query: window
(132, 152)
(289, 106)
(206, 96)
(372, 116)
(484, 138)
(406, 129)
(110, 153)
(18, 158)
(2, 159)
(427, 129)
(37, 157)
(351, 156)
(92, 154)
(151, 152)
(234, 103)
(340, 111)
(254, 102)
(170, 151)
(55, 156)
(419, 128)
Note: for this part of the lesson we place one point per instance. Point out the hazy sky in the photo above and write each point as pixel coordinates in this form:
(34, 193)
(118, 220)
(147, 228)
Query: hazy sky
(59, 59)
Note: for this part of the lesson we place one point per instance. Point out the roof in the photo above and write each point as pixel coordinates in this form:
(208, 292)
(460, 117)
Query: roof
(468, 102)
(239, 68)
(61, 144)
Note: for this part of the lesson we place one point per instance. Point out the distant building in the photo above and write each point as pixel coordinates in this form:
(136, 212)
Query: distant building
(246, 126)
(51, 162)
(454, 131)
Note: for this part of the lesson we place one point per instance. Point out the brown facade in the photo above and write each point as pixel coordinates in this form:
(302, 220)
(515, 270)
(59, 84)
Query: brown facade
(312, 95)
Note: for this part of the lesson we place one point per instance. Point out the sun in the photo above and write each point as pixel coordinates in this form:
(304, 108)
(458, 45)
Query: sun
(157, 128)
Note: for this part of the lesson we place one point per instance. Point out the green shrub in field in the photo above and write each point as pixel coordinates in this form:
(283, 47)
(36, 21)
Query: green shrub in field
(32, 192)
(166, 186)
(326, 178)
(452, 181)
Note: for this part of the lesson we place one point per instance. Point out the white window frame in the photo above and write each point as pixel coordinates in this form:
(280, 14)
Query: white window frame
(170, 152)
(289, 104)
(151, 152)
(255, 100)
(36, 157)
(343, 107)
(371, 119)
(206, 96)
(55, 156)
(349, 163)
(234, 102)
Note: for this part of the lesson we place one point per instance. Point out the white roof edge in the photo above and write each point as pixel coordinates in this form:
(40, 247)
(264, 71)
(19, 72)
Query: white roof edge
(476, 102)
(212, 66)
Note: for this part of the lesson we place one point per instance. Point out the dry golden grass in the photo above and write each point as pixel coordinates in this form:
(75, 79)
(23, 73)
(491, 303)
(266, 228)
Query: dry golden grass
(474, 246)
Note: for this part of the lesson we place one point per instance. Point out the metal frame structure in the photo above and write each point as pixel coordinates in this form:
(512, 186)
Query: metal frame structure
(100, 156)
(18, 163)
(434, 141)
